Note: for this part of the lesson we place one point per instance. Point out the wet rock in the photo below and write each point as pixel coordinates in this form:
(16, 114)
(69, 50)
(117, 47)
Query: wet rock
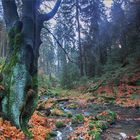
(60, 124)
(53, 133)
(62, 100)
(57, 112)
(123, 135)
(48, 112)
(59, 135)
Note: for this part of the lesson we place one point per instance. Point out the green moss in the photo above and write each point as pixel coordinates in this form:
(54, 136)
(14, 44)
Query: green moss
(60, 124)
(78, 118)
(11, 33)
(15, 40)
(91, 125)
(18, 39)
(138, 137)
(2, 63)
(35, 81)
(72, 106)
(48, 137)
(96, 134)
(98, 124)
(69, 115)
(135, 96)
(94, 88)
(137, 83)
(52, 134)
(109, 117)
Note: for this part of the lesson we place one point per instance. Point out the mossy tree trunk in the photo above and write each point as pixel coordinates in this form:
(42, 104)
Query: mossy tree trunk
(20, 72)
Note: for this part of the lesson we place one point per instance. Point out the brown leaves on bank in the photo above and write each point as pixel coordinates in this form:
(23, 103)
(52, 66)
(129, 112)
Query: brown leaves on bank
(9, 131)
(40, 127)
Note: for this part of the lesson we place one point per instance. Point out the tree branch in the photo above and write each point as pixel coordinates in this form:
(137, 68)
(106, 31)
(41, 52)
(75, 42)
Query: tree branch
(51, 14)
(59, 44)
(10, 12)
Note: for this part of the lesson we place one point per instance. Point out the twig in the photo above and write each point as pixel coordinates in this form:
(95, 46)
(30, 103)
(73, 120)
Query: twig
(60, 46)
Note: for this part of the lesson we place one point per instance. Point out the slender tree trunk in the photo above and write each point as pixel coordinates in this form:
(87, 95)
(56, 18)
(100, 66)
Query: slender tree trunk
(79, 39)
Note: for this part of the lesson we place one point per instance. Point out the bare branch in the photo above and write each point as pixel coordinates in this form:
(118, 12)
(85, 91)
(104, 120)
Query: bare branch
(59, 44)
(51, 14)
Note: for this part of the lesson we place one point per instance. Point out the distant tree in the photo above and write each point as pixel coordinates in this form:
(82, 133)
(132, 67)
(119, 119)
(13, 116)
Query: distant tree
(47, 53)
(65, 33)
(132, 13)
(124, 29)
(81, 57)
(92, 15)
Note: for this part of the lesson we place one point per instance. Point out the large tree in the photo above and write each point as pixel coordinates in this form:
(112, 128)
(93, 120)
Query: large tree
(24, 26)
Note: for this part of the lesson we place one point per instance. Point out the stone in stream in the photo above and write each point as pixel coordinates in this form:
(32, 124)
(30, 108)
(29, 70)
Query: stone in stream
(47, 112)
(69, 126)
(59, 135)
(123, 135)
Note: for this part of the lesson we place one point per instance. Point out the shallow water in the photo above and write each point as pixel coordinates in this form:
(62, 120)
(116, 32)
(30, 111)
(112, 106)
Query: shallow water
(128, 122)
(127, 125)
(120, 129)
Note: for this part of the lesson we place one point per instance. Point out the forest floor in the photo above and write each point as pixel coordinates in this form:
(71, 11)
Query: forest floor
(98, 110)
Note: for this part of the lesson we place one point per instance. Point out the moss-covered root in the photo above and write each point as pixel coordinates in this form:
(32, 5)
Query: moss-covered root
(28, 110)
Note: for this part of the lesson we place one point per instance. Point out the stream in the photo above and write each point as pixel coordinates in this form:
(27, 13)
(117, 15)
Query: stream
(127, 124)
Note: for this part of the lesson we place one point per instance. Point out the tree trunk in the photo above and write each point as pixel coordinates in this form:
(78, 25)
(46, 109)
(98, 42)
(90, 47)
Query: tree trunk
(19, 99)
(21, 74)
(79, 40)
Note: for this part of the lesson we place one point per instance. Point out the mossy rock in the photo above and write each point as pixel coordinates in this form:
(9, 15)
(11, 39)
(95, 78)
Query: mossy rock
(53, 134)
(69, 115)
(102, 121)
(60, 124)
(108, 116)
(58, 112)
(72, 106)
(95, 134)
(78, 118)
(98, 124)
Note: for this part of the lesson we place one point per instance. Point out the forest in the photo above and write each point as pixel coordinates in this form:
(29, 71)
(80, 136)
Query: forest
(69, 69)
